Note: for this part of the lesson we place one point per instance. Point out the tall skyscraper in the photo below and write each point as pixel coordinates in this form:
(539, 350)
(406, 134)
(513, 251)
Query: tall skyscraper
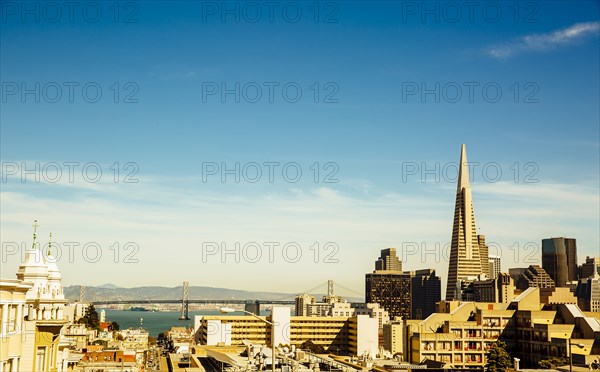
(468, 251)
(559, 259)
(494, 262)
(389, 286)
(426, 292)
(388, 260)
(588, 293)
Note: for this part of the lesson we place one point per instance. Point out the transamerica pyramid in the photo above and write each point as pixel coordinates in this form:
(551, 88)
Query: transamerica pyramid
(468, 251)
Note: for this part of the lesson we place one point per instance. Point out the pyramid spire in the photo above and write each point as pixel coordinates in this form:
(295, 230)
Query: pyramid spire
(464, 186)
(463, 170)
(468, 252)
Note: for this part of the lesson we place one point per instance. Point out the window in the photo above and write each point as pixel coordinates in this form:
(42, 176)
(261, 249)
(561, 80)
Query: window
(473, 333)
(40, 360)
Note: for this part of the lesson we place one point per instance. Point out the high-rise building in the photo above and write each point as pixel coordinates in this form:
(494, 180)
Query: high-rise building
(484, 255)
(426, 292)
(534, 276)
(501, 289)
(302, 303)
(388, 260)
(588, 293)
(393, 340)
(559, 259)
(390, 288)
(468, 251)
(494, 262)
(590, 267)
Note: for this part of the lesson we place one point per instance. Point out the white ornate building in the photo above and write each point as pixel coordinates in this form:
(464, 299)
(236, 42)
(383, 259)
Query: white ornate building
(34, 306)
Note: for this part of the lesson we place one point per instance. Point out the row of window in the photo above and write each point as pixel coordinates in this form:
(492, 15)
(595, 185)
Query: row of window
(456, 358)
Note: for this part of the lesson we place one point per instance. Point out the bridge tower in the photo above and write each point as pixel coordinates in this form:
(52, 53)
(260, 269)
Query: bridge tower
(185, 302)
(330, 288)
(81, 294)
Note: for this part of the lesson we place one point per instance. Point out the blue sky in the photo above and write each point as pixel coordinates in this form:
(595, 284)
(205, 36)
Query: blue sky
(363, 56)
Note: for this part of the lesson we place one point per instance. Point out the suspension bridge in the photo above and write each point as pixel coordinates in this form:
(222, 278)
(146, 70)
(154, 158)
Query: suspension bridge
(185, 299)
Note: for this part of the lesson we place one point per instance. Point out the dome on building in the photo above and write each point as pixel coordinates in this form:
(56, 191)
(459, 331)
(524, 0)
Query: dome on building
(34, 268)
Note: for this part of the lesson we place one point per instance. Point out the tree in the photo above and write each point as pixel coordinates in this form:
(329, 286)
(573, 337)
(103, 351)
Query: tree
(498, 359)
(91, 318)
(552, 362)
(312, 347)
(114, 326)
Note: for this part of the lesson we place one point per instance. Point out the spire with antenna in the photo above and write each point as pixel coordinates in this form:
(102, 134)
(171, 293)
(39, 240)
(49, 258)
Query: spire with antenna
(50, 246)
(35, 226)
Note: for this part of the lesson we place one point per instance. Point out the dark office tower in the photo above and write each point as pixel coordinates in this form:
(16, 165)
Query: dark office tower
(559, 259)
(468, 251)
(590, 267)
(426, 292)
(389, 286)
(388, 260)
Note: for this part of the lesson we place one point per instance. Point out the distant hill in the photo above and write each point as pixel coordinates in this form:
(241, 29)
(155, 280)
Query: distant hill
(109, 286)
(107, 292)
(103, 293)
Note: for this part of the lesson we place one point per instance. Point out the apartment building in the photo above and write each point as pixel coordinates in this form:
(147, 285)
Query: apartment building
(355, 335)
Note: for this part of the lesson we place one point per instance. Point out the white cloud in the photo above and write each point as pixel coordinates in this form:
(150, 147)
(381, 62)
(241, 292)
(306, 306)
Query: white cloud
(543, 42)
